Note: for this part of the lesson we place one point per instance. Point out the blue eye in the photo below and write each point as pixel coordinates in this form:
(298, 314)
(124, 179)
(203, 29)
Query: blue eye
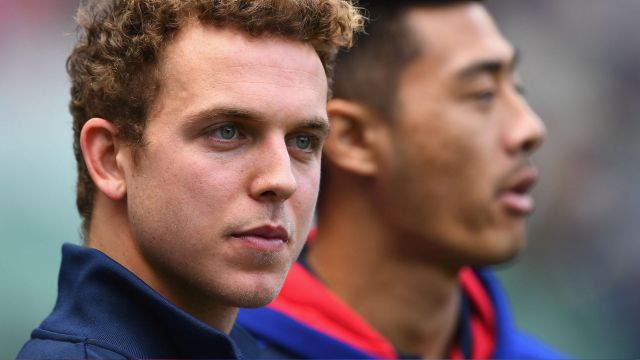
(227, 132)
(303, 142)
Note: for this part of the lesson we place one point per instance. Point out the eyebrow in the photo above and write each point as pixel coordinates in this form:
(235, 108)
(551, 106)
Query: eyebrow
(319, 124)
(489, 66)
(226, 112)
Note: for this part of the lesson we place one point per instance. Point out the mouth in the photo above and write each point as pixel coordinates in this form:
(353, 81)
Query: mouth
(263, 238)
(516, 197)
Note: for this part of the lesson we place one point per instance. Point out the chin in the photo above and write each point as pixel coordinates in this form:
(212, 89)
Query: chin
(498, 258)
(499, 249)
(255, 291)
(257, 300)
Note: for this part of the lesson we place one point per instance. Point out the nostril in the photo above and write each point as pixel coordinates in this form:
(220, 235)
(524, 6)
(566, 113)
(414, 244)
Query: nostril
(269, 193)
(530, 145)
(533, 142)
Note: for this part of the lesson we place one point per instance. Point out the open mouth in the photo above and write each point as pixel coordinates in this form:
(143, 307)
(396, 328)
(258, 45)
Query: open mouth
(516, 196)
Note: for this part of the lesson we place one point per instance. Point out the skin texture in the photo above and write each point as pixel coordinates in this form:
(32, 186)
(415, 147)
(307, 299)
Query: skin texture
(412, 198)
(233, 143)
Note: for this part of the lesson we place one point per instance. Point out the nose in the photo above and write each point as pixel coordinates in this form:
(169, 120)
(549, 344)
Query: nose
(526, 131)
(274, 179)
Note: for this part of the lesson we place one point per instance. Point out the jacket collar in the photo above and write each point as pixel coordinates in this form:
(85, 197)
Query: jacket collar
(102, 302)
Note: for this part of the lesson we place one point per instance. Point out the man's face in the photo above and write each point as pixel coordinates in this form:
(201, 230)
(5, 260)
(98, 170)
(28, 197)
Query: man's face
(222, 194)
(457, 173)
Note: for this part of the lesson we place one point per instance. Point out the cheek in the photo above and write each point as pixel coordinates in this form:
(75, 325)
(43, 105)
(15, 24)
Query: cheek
(304, 199)
(203, 178)
(438, 172)
(308, 184)
(183, 189)
(458, 151)
(438, 157)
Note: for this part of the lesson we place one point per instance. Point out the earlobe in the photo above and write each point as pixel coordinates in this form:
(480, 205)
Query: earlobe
(354, 137)
(100, 149)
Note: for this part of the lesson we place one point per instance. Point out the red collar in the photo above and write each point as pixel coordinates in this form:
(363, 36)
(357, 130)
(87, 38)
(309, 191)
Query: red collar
(307, 300)
(482, 318)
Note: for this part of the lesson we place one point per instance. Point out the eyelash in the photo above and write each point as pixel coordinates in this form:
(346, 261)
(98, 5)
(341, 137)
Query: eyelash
(214, 133)
(314, 142)
(484, 96)
(489, 95)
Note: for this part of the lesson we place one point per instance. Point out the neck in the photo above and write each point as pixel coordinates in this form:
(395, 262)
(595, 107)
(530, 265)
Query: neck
(424, 297)
(110, 232)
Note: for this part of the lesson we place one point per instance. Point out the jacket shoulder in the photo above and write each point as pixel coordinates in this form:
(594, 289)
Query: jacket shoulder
(524, 346)
(513, 343)
(47, 345)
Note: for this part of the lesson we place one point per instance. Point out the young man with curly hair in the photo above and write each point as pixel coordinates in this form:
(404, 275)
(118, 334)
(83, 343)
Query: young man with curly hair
(198, 128)
(426, 181)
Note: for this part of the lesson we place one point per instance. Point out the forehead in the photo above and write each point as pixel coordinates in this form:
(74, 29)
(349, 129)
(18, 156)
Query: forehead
(452, 37)
(211, 66)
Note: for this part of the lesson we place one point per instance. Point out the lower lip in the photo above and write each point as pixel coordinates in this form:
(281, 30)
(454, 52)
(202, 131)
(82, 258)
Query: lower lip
(516, 203)
(261, 243)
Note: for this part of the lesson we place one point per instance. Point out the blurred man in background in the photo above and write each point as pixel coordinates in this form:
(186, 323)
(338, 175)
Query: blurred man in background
(198, 133)
(426, 180)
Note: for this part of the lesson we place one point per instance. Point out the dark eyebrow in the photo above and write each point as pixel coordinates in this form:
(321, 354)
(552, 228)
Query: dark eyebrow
(320, 125)
(315, 123)
(224, 112)
(489, 66)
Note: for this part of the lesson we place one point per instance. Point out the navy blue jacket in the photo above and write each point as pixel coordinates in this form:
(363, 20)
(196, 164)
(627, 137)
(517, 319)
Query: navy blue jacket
(307, 321)
(105, 311)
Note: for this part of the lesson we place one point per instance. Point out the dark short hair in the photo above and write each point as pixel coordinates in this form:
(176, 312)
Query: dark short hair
(368, 72)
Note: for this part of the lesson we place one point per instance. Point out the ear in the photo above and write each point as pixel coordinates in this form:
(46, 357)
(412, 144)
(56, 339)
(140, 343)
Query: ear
(100, 148)
(357, 133)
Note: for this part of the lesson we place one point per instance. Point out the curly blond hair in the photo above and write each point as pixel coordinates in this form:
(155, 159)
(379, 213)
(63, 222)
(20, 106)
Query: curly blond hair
(113, 64)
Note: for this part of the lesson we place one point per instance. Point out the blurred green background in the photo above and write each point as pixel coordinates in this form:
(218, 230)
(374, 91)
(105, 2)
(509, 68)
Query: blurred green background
(575, 286)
